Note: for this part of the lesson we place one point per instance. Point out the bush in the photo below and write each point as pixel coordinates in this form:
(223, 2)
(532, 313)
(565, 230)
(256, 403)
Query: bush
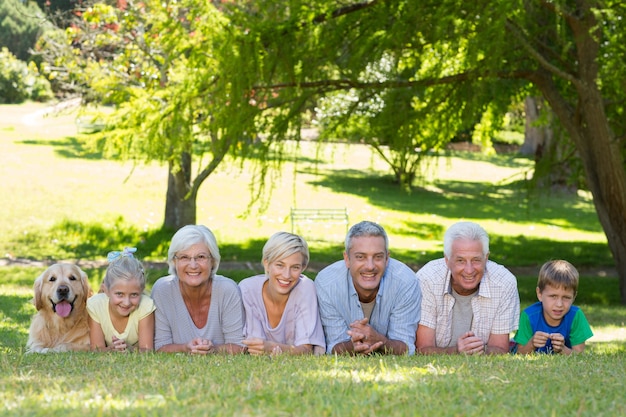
(20, 81)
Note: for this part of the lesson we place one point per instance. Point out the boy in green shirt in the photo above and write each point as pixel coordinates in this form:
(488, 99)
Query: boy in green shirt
(553, 324)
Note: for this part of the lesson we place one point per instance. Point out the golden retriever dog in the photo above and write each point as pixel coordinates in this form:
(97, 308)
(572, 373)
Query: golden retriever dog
(60, 323)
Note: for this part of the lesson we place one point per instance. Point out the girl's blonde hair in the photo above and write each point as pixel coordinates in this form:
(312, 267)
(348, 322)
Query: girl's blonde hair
(127, 268)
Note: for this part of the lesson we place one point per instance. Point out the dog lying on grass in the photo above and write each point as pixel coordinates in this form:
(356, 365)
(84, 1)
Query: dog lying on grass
(61, 321)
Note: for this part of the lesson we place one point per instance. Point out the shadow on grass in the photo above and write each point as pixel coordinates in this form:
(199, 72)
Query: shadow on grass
(92, 241)
(87, 147)
(70, 147)
(509, 160)
(455, 199)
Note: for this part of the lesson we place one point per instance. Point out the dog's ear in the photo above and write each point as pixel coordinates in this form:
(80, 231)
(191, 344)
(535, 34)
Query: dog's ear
(85, 282)
(37, 290)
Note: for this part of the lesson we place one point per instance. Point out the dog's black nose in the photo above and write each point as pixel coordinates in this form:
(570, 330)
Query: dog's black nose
(63, 291)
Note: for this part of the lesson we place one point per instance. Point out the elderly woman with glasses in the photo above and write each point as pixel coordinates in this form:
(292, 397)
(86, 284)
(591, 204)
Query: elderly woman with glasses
(198, 311)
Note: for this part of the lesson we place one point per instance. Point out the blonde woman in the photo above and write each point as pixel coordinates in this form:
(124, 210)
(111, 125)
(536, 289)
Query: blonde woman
(281, 305)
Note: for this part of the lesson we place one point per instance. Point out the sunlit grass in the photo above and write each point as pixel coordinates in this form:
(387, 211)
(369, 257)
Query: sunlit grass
(114, 385)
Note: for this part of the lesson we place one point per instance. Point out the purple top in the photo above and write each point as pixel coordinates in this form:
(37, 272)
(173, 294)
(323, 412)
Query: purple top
(300, 323)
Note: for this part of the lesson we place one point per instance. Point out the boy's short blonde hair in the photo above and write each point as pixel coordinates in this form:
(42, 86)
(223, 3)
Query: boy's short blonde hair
(558, 273)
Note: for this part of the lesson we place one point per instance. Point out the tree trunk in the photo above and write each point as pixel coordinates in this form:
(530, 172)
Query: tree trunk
(533, 134)
(585, 119)
(553, 150)
(180, 201)
(589, 127)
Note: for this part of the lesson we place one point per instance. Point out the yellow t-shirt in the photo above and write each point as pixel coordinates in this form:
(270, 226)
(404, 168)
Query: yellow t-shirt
(98, 308)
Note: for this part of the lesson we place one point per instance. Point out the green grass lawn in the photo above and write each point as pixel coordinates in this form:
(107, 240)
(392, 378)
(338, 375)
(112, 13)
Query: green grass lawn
(64, 202)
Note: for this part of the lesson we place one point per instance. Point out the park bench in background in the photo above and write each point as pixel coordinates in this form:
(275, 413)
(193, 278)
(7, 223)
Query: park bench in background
(309, 216)
(89, 124)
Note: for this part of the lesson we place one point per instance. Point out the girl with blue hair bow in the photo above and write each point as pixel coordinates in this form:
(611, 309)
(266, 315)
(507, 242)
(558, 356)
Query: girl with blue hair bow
(121, 317)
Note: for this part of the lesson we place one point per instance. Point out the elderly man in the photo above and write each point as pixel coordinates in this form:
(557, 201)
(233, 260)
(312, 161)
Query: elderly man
(368, 302)
(470, 304)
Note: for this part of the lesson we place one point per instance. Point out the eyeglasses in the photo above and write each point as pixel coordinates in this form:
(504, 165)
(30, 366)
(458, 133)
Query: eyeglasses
(200, 259)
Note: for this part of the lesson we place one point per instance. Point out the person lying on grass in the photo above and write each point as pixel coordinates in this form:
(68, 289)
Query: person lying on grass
(369, 302)
(198, 311)
(281, 304)
(470, 305)
(121, 317)
(553, 324)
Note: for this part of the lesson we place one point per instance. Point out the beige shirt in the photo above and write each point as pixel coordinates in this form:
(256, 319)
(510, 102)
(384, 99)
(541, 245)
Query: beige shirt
(496, 307)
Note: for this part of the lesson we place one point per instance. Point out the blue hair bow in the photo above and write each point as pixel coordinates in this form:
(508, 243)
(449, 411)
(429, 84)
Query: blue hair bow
(111, 256)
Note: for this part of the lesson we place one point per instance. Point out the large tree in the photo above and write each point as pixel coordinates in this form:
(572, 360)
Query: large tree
(570, 51)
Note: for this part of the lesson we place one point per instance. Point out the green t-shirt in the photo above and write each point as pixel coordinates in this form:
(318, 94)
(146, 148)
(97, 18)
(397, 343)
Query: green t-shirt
(574, 326)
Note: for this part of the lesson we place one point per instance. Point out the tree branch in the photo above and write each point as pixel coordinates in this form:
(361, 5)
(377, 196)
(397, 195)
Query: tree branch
(516, 32)
(346, 84)
(344, 11)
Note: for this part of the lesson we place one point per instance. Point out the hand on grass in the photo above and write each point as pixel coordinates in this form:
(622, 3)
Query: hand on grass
(470, 344)
(199, 346)
(119, 345)
(558, 342)
(540, 339)
(365, 339)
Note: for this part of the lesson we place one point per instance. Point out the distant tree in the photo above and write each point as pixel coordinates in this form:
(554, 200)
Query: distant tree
(21, 23)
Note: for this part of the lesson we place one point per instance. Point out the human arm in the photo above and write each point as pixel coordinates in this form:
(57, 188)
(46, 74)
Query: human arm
(97, 342)
(365, 340)
(96, 336)
(537, 341)
(258, 346)
(579, 332)
(146, 333)
(334, 323)
(468, 343)
(231, 316)
(497, 344)
(405, 312)
(558, 345)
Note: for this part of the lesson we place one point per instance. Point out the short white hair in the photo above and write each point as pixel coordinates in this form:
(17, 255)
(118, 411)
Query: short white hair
(465, 231)
(188, 236)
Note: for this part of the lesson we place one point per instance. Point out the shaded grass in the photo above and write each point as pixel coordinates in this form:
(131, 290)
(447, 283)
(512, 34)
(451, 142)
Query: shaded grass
(92, 241)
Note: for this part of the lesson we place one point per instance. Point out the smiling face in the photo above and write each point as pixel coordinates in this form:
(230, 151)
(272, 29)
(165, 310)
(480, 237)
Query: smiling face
(467, 265)
(366, 261)
(556, 303)
(284, 273)
(124, 297)
(193, 265)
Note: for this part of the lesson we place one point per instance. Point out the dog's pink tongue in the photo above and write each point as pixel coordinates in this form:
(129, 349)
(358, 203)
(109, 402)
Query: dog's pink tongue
(63, 309)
